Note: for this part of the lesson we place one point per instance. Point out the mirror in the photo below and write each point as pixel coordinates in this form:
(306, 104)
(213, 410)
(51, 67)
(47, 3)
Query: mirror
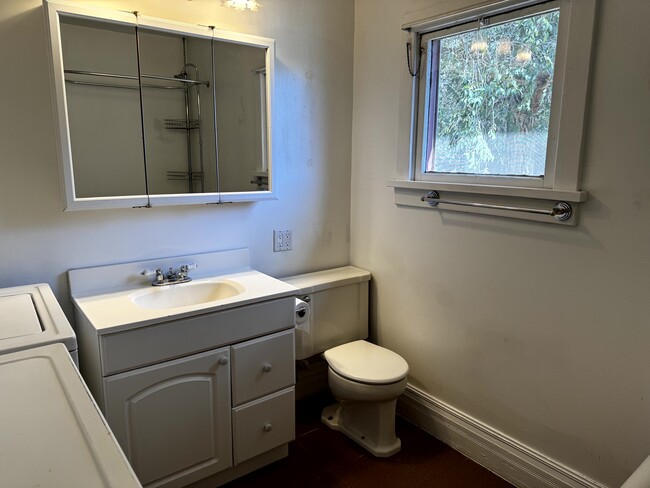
(177, 104)
(241, 96)
(159, 113)
(103, 111)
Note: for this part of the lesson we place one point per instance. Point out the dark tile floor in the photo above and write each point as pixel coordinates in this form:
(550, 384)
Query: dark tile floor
(321, 457)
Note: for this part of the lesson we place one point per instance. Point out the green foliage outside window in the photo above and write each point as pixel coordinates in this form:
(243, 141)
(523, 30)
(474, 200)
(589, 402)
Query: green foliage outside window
(494, 98)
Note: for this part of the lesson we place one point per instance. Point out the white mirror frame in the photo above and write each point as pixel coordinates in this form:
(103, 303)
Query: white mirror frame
(53, 11)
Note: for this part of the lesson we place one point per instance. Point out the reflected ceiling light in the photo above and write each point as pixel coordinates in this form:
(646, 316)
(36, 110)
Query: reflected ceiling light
(524, 55)
(252, 5)
(479, 44)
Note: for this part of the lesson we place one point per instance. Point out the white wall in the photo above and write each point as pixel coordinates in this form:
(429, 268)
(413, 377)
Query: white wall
(540, 331)
(39, 241)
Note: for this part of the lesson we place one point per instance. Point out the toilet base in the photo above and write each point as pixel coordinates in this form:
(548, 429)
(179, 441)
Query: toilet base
(371, 425)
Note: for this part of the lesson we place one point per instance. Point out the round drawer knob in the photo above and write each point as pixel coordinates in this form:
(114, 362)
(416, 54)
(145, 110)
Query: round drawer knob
(267, 367)
(223, 361)
(268, 427)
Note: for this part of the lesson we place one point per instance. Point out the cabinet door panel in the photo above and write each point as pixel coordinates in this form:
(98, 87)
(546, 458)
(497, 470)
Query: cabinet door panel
(172, 419)
(262, 366)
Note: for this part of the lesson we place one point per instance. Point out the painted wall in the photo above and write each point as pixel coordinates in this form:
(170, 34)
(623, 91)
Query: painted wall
(311, 141)
(539, 331)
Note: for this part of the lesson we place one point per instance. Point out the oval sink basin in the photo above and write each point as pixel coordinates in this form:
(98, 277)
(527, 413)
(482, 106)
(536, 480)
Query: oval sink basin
(185, 295)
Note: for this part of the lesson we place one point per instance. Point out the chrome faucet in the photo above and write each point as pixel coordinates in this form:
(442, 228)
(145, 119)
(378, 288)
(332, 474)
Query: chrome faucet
(172, 277)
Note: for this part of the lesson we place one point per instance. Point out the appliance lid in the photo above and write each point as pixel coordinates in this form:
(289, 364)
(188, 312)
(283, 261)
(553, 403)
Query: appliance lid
(367, 363)
(30, 316)
(18, 316)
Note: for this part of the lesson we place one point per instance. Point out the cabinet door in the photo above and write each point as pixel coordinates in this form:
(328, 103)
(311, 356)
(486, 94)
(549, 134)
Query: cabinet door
(173, 419)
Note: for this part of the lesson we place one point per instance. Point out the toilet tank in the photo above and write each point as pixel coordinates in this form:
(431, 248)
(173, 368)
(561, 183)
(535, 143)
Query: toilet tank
(338, 299)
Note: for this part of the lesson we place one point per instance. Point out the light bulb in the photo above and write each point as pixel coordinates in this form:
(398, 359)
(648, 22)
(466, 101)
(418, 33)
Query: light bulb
(252, 5)
(523, 56)
(478, 46)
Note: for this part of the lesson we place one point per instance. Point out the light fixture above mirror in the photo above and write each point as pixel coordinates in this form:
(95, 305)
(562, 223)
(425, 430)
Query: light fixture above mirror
(252, 5)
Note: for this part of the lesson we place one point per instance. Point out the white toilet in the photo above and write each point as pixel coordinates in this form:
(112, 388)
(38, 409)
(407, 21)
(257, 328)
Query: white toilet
(365, 379)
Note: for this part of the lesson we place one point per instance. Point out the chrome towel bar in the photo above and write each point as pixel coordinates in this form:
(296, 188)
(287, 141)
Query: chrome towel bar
(561, 211)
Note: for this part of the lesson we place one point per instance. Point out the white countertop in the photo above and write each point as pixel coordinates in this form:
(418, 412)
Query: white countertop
(116, 311)
(329, 278)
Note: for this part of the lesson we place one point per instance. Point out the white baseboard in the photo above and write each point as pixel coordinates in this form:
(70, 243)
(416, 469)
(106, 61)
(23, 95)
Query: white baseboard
(511, 460)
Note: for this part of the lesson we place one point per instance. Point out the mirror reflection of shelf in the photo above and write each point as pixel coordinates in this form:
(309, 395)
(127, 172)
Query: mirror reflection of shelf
(181, 124)
(184, 175)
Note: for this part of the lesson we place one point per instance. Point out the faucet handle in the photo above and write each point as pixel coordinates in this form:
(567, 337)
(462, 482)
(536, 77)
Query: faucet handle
(186, 267)
(158, 272)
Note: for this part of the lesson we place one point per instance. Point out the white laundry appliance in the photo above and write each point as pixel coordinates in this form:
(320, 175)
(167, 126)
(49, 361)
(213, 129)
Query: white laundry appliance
(51, 430)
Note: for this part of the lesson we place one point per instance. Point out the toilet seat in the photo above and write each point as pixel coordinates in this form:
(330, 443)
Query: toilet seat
(368, 363)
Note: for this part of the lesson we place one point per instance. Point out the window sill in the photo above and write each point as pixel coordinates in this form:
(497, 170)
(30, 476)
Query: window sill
(410, 193)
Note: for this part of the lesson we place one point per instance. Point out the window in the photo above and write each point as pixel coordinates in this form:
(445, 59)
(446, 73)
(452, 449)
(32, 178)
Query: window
(488, 96)
(497, 104)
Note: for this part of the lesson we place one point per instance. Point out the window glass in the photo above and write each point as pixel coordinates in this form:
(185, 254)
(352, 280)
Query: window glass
(488, 98)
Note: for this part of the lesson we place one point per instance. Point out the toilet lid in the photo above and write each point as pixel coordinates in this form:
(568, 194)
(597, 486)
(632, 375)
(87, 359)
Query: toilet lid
(367, 363)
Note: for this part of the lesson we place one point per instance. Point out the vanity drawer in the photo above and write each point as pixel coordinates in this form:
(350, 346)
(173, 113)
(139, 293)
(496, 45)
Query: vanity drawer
(264, 424)
(262, 366)
(130, 349)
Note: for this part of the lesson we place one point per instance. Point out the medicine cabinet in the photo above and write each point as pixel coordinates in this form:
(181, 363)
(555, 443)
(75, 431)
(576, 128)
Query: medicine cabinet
(153, 112)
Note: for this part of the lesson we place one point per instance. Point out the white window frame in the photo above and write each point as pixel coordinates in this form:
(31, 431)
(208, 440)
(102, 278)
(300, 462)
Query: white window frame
(566, 127)
(423, 94)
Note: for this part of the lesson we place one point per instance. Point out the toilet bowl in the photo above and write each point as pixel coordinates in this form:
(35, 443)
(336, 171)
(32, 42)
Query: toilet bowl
(365, 379)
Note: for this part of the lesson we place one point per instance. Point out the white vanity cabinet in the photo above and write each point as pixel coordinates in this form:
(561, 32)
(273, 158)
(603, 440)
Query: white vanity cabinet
(173, 419)
(205, 396)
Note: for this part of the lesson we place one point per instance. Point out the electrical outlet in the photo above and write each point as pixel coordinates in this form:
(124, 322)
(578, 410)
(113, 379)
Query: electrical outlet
(288, 240)
(282, 240)
(278, 240)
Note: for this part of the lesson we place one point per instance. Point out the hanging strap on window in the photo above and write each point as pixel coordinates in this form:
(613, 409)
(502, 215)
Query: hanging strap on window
(412, 62)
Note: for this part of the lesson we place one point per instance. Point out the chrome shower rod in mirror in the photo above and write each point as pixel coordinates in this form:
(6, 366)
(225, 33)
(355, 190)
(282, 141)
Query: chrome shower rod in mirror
(132, 77)
(126, 87)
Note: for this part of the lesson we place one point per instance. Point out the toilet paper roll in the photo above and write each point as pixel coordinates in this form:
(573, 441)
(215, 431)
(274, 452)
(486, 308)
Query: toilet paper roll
(303, 313)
